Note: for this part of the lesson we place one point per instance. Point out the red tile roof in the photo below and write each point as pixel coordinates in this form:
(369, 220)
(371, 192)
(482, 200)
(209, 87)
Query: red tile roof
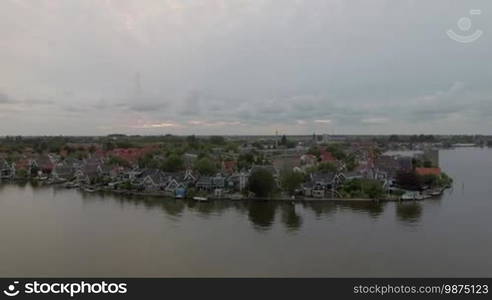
(326, 156)
(229, 165)
(131, 154)
(428, 171)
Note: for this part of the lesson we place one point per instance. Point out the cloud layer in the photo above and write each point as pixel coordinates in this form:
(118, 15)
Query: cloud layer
(242, 67)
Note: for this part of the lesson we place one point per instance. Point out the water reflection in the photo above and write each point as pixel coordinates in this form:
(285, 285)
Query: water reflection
(409, 212)
(321, 209)
(261, 214)
(290, 217)
(374, 209)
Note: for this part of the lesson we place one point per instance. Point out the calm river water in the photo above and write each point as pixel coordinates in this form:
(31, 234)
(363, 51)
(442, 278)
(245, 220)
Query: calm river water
(46, 231)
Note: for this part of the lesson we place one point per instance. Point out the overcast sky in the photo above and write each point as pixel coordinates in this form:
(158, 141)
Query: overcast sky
(85, 67)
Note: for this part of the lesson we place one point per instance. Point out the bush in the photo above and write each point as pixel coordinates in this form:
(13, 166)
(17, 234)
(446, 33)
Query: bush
(327, 167)
(206, 166)
(291, 180)
(409, 180)
(173, 163)
(362, 188)
(261, 183)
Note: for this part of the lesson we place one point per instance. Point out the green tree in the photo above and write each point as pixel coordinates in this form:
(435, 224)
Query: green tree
(217, 140)
(283, 140)
(337, 151)
(173, 163)
(373, 189)
(193, 142)
(118, 161)
(206, 166)
(327, 167)
(22, 174)
(108, 146)
(314, 150)
(92, 149)
(261, 183)
(245, 160)
(428, 164)
(351, 162)
(290, 181)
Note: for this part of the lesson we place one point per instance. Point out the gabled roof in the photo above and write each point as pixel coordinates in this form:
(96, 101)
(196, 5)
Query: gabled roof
(64, 170)
(44, 161)
(326, 156)
(155, 175)
(323, 177)
(90, 169)
(4, 164)
(387, 163)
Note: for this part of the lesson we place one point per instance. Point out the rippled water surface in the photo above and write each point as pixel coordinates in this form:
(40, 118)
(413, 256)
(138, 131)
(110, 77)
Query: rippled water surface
(45, 231)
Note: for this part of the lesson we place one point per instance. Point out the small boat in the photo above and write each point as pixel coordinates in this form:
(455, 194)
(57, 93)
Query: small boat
(436, 193)
(89, 190)
(70, 185)
(236, 197)
(408, 196)
(201, 199)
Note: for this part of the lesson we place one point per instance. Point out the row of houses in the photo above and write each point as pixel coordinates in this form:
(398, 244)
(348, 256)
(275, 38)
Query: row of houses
(97, 170)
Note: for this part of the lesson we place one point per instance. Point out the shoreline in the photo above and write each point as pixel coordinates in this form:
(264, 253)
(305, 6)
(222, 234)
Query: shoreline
(165, 195)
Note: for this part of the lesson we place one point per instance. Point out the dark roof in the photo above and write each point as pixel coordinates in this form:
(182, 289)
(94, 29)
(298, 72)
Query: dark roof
(204, 180)
(269, 168)
(157, 176)
(90, 170)
(323, 177)
(405, 163)
(64, 171)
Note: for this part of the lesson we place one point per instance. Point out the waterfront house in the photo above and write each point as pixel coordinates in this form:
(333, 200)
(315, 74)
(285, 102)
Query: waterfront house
(87, 174)
(45, 165)
(63, 172)
(351, 175)
(211, 183)
(73, 162)
(237, 181)
(152, 180)
(218, 181)
(26, 166)
(322, 185)
(189, 178)
(386, 167)
(7, 171)
(204, 183)
(172, 181)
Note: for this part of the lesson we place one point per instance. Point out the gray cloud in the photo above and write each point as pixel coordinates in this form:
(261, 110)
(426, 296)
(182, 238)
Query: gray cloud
(243, 67)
